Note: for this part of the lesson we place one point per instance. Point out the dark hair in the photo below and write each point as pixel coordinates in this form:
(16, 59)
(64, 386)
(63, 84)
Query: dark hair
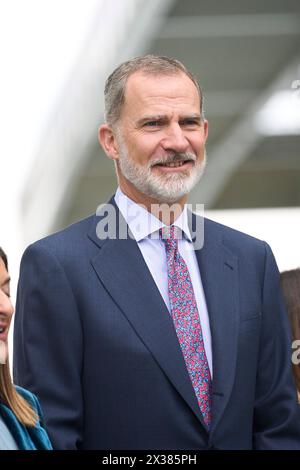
(290, 283)
(3, 257)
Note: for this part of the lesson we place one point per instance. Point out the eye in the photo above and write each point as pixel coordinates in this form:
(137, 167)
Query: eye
(6, 291)
(152, 123)
(190, 122)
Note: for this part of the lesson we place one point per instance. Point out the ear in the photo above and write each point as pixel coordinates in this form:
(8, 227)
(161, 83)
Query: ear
(205, 128)
(108, 141)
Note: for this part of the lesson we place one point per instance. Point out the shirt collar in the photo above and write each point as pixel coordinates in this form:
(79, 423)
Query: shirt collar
(142, 223)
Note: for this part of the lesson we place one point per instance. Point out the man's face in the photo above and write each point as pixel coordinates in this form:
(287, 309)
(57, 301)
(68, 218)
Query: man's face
(160, 138)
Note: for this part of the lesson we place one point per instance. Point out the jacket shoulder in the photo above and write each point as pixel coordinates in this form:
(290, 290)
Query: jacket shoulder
(64, 244)
(230, 236)
(72, 232)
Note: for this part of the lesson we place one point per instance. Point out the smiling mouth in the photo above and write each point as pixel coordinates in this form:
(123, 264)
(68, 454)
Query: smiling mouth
(171, 164)
(176, 164)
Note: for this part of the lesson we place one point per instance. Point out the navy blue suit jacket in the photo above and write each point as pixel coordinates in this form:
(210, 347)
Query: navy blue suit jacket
(95, 341)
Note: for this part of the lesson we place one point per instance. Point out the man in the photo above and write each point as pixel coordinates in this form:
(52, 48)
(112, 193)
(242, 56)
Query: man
(137, 341)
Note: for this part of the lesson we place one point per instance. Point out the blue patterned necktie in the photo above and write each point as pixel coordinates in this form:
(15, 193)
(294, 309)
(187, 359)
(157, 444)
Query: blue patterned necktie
(186, 320)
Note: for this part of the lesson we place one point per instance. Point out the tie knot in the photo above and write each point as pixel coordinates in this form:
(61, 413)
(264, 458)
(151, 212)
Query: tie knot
(170, 235)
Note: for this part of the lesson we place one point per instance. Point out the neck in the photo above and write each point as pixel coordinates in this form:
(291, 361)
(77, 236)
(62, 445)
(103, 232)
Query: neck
(165, 212)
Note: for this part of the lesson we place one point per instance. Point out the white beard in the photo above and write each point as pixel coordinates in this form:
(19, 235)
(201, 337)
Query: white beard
(167, 188)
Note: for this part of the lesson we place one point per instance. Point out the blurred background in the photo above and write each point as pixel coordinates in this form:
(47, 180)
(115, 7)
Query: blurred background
(55, 57)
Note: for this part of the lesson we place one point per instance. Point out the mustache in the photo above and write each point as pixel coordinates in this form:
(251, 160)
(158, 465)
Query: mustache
(173, 158)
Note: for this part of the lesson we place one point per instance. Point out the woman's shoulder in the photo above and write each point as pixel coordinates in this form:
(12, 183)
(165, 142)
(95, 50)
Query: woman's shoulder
(25, 393)
(37, 433)
(29, 397)
(33, 401)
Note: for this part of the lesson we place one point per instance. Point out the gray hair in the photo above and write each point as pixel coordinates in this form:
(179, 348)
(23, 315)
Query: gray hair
(114, 92)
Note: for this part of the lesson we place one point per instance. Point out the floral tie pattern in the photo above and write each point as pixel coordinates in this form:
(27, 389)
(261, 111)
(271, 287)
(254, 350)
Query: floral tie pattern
(186, 320)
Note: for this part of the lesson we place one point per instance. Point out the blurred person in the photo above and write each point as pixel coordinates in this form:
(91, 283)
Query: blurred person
(290, 284)
(21, 422)
(151, 341)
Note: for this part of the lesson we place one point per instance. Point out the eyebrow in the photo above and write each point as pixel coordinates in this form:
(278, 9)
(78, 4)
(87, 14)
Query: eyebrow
(154, 117)
(164, 117)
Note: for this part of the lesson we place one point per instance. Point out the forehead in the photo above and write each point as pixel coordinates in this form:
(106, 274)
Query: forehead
(144, 90)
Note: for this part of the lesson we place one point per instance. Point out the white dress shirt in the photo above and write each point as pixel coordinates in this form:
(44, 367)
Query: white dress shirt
(143, 224)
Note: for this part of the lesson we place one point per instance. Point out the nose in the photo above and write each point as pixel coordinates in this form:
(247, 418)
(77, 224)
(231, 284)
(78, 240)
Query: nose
(6, 307)
(175, 139)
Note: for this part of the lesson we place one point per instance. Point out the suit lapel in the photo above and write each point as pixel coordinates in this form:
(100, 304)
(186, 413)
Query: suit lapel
(219, 275)
(122, 270)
